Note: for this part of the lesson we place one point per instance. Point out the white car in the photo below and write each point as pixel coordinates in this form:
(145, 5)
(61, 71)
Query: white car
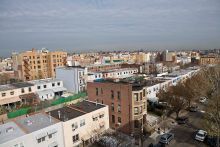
(202, 99)
(200, 135)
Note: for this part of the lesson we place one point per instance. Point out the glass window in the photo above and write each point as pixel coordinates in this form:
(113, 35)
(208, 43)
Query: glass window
(97, 91)
(136, 96)
(3, 94)
(22, 90)
(112, 106)
(119, 119)
(12, 92)
(119, 107)
(119, 95)
(45, 86)
(136, 110)
(53, 84)
(58, 83)
(113, 119)
(76, 138)
(112, 94)
(82, 122)
(29, 89)
(38, 87)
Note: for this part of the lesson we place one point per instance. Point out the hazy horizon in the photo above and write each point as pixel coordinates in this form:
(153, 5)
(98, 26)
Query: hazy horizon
(100, 25)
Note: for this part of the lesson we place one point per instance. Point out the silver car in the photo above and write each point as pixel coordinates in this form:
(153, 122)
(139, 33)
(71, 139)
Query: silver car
(166, 138)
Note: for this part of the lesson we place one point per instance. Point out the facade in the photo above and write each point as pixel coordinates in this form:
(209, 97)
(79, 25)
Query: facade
(12, 95)
(39, 130)
(103, 67)
(72, 77)
(209, 59)
(32, 65)
(48, 88)
(127, 103)
(83, 122)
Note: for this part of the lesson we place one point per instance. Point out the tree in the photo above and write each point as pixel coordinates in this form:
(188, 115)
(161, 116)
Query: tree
(174, 99)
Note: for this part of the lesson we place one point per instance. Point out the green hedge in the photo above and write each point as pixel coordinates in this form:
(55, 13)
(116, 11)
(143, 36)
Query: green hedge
(68, 99)
(19, 112)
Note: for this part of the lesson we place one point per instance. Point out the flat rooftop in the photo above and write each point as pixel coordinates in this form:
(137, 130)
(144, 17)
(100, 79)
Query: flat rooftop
(44, 81)
(35, 122)
(75, 110)
(15, 86)
(10, 131)
(71, 67)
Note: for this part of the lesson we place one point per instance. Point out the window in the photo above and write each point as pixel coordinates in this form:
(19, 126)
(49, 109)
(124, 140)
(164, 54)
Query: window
(74, 126)
(82, 122)
(38, 87)
(50, 135)
(136, 124)
(29, 89)
(135, 110)
(43, 139)
(141, 96)
(101, 91)
(112, 94)
(144, 105)
(119, 119)
(119, 107)
(112, 106)
(144, 93)
(95, 118)
(22, 90)
(53, 84)
(76, 138)
(58, 83)
(140, 109)
(97, 91)
(3, 94)
(39, 140)
(101, 116)
(119, 95)
(136, 96)
(113, 119)
(12, 93)
(45, 86)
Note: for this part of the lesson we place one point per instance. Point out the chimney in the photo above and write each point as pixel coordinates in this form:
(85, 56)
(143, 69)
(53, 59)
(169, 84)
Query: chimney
(59, 114)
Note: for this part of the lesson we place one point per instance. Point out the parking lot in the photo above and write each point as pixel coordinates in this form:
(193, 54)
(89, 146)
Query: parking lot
(184, 134)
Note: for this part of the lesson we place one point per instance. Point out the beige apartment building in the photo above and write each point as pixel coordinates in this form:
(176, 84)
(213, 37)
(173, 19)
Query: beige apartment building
(37, 64)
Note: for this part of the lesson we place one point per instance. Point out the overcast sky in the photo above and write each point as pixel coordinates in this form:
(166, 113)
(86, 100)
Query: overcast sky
(81, 25)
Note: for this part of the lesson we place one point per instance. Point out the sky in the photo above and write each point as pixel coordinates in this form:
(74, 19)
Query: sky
(87, 25)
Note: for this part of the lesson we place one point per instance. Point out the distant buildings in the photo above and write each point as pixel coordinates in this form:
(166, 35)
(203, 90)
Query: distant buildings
(32, 65)
(209, 59)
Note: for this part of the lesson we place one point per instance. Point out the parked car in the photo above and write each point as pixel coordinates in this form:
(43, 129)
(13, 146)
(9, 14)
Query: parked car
(211, 141)
(166, 138)
(201, 135)
(202, 99)
(182, 120)
(193, 108)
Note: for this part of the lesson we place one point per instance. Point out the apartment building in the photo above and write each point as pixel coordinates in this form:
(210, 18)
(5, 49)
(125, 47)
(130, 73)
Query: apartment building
(37, 64)
(209, 59)
(14, 94)
(39, 130)
(103, 67)
(48, 89)
(126, 100)
(72, 77)
(82, 123)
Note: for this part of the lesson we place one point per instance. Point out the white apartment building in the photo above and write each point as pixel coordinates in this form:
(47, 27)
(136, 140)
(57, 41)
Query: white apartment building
(10, 93)
(169, 79)
(39, 130)
(115, 73)
(73, 78)
(82, 123)
(48, 88)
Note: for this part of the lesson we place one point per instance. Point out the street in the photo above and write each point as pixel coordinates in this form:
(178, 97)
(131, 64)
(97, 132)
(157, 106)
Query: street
(184, 134)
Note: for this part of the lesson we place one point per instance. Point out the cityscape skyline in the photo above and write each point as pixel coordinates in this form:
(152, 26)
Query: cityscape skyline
(107, 25)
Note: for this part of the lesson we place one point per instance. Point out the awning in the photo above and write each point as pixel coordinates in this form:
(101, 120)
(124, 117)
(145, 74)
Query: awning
(10, 100)
(41, 135)
(53, 144)
(52, 131)
(44, 92)
(58, 89)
